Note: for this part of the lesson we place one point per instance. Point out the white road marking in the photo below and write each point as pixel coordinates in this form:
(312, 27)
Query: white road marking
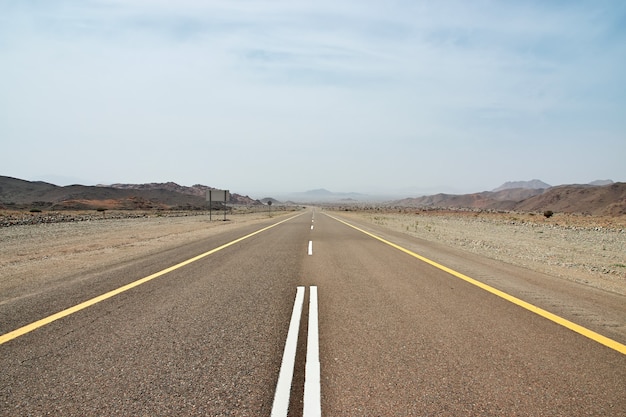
(283, 386)
(312, 388)
(311, 227)
(310, 247)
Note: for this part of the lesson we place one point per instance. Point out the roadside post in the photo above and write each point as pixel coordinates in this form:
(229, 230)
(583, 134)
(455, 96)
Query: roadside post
(217, 196)
(269, 204)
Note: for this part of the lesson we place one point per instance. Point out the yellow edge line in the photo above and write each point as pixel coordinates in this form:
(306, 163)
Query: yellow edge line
(61, 314)
(530, 307)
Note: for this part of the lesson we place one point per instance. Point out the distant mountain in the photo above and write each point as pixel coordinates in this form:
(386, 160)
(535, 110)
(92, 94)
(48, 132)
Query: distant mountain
(322, 195)
(531, 185)
(318, 192)
(601, 182)
(500, 200)
(609, 200)
(588, 198)
(19, 193)
(197, 190)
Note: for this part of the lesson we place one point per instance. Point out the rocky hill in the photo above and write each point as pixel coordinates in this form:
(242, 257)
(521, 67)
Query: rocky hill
(21, 194)
(197, 190)
(605, 200)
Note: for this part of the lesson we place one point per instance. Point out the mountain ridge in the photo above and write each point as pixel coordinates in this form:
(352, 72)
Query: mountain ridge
(605, 200)
(197, 190)
(609, 199)
(19, 193)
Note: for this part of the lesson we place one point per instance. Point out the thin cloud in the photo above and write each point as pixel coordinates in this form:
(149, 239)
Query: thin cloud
(405, 87)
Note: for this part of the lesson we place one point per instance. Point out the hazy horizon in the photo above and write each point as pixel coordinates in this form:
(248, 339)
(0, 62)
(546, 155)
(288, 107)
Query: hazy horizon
(373, 194)
(276, 96)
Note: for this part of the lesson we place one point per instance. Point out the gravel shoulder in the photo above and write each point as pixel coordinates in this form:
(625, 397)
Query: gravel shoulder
(38, 255)
(583, 249)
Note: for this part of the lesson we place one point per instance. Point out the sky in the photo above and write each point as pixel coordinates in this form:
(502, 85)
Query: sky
(265, 97)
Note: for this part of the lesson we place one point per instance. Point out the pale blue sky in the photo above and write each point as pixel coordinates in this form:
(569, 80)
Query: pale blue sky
(265, 97)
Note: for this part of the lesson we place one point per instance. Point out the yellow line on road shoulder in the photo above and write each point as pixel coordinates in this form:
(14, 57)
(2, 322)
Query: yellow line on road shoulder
(61, 314)
(530, 307)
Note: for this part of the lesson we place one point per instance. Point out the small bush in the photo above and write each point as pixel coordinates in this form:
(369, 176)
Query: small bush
(35, 210)
(548, 214)
(103, 211)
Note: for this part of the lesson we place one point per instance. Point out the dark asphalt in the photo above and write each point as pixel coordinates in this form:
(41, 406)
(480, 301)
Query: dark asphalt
(397, 337)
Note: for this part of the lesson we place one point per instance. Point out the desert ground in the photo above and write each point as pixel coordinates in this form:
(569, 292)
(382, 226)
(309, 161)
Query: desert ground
(585, 249)
(49, 248)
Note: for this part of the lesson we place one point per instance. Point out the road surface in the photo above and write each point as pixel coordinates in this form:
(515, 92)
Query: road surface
(203, 330)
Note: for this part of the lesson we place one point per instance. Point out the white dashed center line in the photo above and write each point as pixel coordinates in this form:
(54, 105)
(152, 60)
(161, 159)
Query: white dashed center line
(312, 388)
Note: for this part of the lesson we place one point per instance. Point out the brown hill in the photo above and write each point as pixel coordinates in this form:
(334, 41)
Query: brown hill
(20, 194)
(496, 200)
(197, 190)
(607, 200)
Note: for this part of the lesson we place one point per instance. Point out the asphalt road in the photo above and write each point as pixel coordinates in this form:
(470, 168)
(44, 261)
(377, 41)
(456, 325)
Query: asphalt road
(397, 336)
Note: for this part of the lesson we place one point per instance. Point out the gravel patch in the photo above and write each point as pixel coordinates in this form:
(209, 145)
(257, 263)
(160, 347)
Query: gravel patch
(45, 253)
(583, 249)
